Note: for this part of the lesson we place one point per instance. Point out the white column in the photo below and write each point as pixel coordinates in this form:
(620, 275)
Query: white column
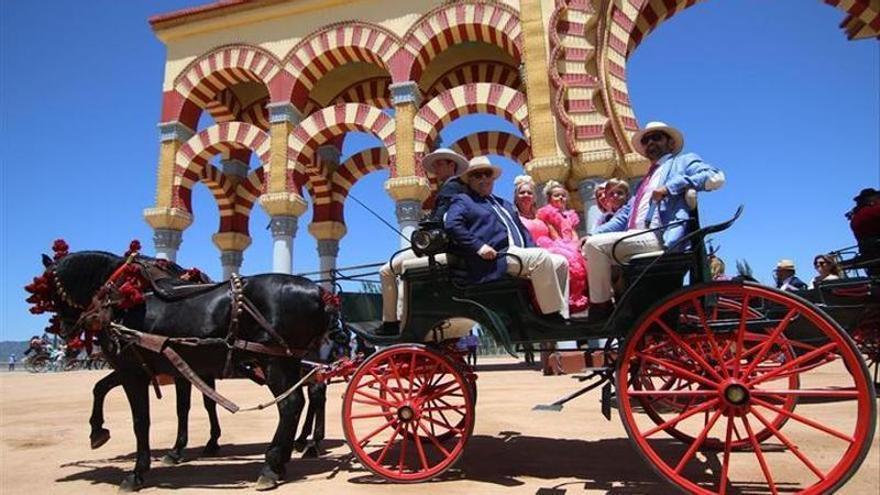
(328, 250)
(231, 261)
(167, 242)
(587, 190)
(283, 232)
(409, 212)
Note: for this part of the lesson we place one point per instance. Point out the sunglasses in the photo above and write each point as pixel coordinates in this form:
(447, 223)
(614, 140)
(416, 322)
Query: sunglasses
(654, 136)
(818, 263)
(481, 174)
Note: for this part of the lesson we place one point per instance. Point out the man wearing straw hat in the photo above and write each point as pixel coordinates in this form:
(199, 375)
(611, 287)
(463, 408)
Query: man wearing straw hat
(484, 227)
(785, 277)
(658, 204)
(446, 165)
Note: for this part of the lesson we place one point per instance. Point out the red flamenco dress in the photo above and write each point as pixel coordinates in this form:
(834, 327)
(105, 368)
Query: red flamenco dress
(554, 230)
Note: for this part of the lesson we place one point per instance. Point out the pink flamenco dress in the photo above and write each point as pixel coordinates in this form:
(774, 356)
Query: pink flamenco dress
(557, 234)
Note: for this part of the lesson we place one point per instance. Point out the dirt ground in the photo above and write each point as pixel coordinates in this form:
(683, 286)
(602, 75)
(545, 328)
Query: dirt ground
(44, 444)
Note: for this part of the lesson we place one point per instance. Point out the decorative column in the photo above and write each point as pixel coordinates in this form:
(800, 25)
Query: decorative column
(409, 212)
(543, 170)
(406, 97)
(283, 232)
(328, 250)
(232, 246)
(328, 234)
(167, 242)
(589, 171)
(283, 117)
(168, 222)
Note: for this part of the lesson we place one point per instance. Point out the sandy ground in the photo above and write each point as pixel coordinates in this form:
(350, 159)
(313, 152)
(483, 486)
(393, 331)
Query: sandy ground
(44, 444)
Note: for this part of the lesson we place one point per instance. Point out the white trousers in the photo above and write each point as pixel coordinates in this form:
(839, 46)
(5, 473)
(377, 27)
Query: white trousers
(548, 273)
(597, 250)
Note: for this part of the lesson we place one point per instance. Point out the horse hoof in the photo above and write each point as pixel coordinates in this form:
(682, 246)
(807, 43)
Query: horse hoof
(299, 446)
(172, 459)
(310, 453)
(131, 483)
(268, 481)
(211, 449)
(99, 438)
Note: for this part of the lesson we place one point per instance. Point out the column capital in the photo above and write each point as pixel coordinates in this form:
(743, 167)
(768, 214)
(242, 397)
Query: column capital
(231, 241)
(636, 165)
(411, 187)
(283, 203)
(597, 163)
(328, 247)
(548, 168)
(174, 131)
(165, 239)
(234, 167)
(283, 111)
(405, 92)
(231, 257)
(168, 218)
(327, 230)
(408, 210)
(283, 225)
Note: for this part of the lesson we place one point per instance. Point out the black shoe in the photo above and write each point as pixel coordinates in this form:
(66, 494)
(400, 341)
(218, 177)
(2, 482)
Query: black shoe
(555, 318)
(600, 312)
(388, 328)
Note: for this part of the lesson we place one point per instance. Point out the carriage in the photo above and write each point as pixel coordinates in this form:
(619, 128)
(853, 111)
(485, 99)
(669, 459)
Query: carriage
(723, 387)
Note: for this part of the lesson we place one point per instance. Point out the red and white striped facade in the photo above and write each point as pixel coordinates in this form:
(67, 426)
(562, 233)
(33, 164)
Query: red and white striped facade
(341, 77)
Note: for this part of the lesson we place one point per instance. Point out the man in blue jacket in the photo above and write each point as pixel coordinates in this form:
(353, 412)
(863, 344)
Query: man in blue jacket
(659, 202)
(484, 226)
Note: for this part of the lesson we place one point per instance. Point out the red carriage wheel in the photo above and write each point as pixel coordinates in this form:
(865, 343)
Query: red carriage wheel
(687, 350)
(729, 384)
(407, 413)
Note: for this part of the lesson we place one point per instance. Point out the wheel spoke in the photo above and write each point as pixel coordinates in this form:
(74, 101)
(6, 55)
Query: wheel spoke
(385, 386)
(709, 333)
(372, 415)
(376, 399)
(740, 334)
(677, 370)
(419, 448)
(447, 425)
(402, 457)
(697, 442)
(388, 443)
(793, 363)
(806, 421)
(725, 462)
(765, 347)
(808, 393)
(681, 417)
(760, 455)
(687, 348)
(375, 432)
(433, 440)
(412, 374)
(672, 393)
(793, 448)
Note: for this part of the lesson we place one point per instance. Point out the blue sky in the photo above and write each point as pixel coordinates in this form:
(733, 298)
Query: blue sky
(771, 92)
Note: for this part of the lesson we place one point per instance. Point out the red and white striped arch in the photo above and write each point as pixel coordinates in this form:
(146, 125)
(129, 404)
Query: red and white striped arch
(200, 82)
(491, 23)
(325, 125)
(247, 191)
(374, 91)
(355, 167)
(490, 98)
(333, 46)
(494, 143)
(192, 165)
(224, 107)
(477, 71)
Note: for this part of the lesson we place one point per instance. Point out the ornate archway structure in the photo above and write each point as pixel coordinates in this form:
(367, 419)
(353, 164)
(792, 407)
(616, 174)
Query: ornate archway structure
(276, 72)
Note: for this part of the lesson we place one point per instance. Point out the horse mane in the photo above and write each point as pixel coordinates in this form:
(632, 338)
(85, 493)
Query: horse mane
(82, 273)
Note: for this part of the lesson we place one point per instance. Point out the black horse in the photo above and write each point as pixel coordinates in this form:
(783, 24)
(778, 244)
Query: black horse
(292, 310)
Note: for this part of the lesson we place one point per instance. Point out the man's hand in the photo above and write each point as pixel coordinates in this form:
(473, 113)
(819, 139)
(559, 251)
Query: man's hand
(487, 252)
(659, 193)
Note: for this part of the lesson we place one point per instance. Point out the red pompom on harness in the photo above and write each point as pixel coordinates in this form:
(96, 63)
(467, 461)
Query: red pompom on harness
(331, 300)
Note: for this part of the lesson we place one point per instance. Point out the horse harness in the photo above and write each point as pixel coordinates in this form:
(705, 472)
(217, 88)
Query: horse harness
(99, 316)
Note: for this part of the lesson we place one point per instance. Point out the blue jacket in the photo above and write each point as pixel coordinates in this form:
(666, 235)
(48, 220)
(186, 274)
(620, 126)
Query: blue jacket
(447, 191)
(471, 222)
(686, 171)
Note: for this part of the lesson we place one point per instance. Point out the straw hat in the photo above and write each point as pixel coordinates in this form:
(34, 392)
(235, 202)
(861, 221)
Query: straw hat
(675, 134)
(432, 158)
(785, 265)
(481, 163)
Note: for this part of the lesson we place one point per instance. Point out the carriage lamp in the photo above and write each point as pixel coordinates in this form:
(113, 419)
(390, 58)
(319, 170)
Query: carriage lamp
(429, 240)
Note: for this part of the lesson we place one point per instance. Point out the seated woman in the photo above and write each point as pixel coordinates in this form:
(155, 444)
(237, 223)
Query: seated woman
(553, 228)
(827, 269)
(610, 197)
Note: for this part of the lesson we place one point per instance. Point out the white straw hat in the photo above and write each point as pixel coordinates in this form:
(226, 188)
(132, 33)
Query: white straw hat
(675, 134)
(481, 163)
(432, 158)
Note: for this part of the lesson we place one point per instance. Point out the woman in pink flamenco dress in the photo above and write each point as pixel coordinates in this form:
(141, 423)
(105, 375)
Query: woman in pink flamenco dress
(553, 228)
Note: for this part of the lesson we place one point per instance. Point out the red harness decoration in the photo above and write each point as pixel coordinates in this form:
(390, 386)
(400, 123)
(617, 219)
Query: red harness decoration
(331, 300)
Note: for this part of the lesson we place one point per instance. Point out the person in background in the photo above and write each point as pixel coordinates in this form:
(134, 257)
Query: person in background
(826, 268)
(615, 194)
(864, 220)
(471, 343)
(12, 362)
(785, 277)
(717, 268)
